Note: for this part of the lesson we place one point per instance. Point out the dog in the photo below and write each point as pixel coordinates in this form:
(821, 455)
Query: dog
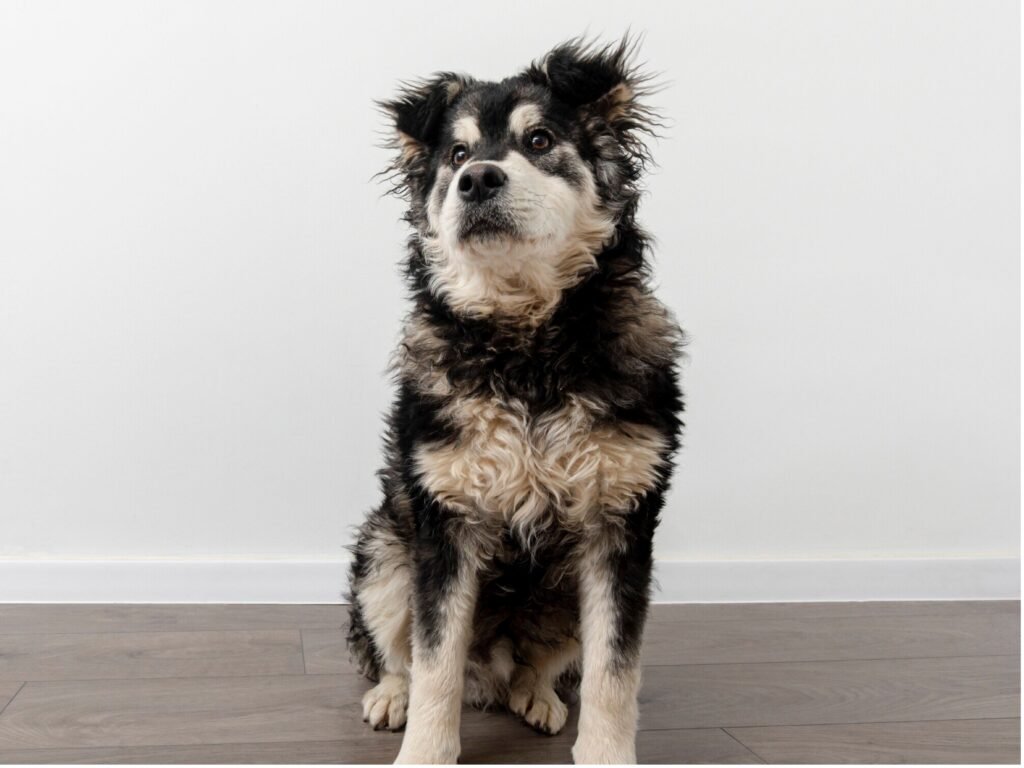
(537, 415)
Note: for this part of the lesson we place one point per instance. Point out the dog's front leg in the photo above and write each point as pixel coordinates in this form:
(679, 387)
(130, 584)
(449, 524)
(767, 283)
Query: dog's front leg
(615, 575)
(445, 591)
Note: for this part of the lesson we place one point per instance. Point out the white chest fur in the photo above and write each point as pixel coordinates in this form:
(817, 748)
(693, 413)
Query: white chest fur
(528, 469)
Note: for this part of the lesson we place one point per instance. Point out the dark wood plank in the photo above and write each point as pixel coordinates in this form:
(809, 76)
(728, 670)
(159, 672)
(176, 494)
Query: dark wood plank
(185, 711)
(150, 654)
(326, 707)
(58, 618)
(956, 741)
(68, 722)
(372, 747)
(691, 746)
(677, 637)
(762, 611)
(284, 717)
(674, 639)
(102, 715)
(317, 708)
(196, 711)
(326, 652)
(706, 746)
(820, 692)
(498, 737)
(7, 692)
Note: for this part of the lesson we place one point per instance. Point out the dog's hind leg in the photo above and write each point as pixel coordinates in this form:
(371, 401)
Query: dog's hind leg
(488, 676)
(381, 595)
(532, 695)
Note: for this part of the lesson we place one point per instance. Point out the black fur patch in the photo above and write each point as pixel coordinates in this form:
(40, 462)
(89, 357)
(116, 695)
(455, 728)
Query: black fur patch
(608, 343)
(631, 577)
(436, 560)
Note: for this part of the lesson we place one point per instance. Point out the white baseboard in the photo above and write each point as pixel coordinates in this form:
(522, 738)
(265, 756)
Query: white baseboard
(772, 581)
(323, 581)
(173, 581)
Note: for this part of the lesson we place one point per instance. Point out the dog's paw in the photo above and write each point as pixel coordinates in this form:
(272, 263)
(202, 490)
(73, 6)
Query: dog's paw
(540, 707)
(431, 748)
(603, 751)
(384, 706)
(410, 757)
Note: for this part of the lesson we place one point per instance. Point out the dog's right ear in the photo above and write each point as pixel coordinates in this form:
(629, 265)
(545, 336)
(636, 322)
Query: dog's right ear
(417, 115)
(607, 88)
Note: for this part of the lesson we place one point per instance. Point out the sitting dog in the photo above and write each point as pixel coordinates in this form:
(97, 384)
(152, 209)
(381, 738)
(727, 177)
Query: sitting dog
(532, 436)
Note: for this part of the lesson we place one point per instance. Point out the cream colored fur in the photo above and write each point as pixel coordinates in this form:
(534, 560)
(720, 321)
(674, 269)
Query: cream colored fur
(384, 599)
(514, 466)
(532, 695)
(523, 118)
(560, 230)
(435, 700)
(608, 694)
(385, 704)
(574, 466)
(466, 130)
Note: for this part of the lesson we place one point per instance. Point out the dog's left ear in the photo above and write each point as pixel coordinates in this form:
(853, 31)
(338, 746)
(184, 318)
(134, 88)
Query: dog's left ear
(603, 81)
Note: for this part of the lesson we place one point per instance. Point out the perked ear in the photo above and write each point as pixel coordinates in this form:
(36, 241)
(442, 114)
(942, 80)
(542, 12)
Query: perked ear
(416, 114)
(602, 80)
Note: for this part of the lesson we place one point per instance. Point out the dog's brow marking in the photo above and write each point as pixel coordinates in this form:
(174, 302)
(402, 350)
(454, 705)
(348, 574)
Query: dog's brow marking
(524, 117)
(466, 130)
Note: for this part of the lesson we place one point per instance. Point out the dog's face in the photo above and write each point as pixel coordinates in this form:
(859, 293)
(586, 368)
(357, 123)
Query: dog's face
(515, 187)
(509, 171)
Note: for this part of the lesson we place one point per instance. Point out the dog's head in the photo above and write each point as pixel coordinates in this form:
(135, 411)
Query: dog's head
(515, 187)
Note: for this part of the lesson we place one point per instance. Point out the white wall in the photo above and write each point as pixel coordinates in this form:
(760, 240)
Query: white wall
(199, 287)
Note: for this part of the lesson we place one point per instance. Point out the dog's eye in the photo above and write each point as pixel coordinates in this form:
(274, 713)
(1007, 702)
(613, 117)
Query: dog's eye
(539, 140)
(460, 154)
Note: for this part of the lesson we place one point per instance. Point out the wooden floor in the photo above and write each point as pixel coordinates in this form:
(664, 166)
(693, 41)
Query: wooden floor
(775, 683)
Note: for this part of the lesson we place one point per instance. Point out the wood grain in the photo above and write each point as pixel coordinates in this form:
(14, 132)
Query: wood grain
(326, 652)
(150, 654)
(370, 748)
(954, 741)
(7, 692)
(675, 639)
(181, 711)
(496, 738)
(672, 638)
(692, 746)
(656, 747)
(759, 611)
(323, 707)
(793, 683)
(814, 692)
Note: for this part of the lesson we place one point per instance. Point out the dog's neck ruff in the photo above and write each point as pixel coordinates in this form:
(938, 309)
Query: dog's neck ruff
(513, 283)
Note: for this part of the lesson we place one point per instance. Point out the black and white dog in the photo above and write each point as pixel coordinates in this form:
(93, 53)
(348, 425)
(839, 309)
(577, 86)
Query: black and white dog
(532, 436)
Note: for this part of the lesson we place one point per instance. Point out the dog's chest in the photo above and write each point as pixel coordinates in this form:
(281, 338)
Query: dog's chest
(522, 467)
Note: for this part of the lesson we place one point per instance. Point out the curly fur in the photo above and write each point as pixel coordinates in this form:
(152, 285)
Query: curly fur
(532, 436)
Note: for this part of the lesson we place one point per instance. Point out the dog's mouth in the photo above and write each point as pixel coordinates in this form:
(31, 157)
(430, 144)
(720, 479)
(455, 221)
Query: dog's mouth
(489, 223)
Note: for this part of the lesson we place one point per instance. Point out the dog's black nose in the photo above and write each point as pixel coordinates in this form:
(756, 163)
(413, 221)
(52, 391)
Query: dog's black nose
(481, 181)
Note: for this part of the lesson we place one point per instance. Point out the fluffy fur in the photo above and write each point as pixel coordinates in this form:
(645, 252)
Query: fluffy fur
(532, 435)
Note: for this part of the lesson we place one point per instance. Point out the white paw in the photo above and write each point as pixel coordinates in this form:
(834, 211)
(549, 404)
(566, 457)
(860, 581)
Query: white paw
(384, 706)
(416, 751)
(603, 751)
(540, 707)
